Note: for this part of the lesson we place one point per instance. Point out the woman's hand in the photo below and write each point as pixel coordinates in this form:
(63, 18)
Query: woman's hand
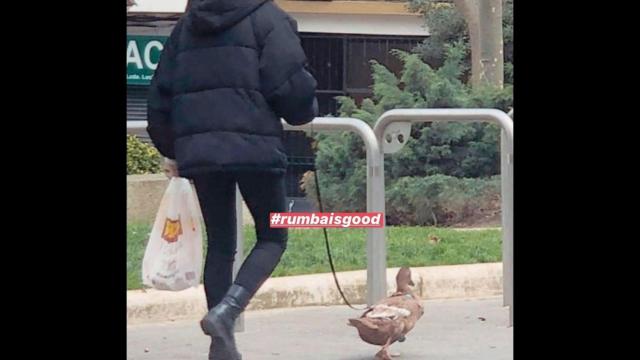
(170, 168)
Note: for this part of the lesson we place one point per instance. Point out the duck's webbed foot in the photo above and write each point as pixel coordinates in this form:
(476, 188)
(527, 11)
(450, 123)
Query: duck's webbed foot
(383, 354)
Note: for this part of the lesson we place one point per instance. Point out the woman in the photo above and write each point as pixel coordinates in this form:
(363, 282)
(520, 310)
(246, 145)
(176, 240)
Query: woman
(229, 71)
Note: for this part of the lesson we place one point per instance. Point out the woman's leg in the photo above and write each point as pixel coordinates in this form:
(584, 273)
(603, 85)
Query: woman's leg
(263, 193)
(216, 194)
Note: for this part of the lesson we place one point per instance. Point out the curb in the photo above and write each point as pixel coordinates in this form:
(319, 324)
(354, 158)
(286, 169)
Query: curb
(432, 282)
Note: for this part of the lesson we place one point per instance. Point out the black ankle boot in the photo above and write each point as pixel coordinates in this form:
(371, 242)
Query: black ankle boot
(217, 351)
(219, 323)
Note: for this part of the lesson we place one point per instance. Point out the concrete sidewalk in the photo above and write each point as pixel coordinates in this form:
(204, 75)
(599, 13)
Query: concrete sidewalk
(450, 329)
(433, 282)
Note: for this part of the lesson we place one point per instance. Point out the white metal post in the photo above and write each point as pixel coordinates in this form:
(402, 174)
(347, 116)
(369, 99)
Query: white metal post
(376, 244)
(506, 143)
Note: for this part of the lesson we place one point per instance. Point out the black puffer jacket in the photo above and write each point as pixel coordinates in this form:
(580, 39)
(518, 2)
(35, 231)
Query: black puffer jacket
(229, 71)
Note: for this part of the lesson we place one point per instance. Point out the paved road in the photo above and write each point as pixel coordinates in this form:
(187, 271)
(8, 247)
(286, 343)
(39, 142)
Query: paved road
(450, 329)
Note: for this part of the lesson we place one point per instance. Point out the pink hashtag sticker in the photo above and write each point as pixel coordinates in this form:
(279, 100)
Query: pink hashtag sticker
(327, 220)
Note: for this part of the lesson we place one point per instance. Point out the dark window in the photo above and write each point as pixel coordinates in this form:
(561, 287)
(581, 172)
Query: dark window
(393, 63)
(137, 103)
(326, 58)
(327, 103)
(360, 52)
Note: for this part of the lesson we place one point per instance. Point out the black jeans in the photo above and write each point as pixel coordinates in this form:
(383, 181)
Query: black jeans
(263, 193)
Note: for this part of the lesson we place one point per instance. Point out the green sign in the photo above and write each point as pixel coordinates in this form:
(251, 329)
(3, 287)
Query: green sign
(143, 53)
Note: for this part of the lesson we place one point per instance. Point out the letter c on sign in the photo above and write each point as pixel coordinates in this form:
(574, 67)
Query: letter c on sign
(147, 53)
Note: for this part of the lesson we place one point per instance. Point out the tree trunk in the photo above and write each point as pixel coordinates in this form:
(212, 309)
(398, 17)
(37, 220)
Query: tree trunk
(491, 43)
(484, 22)
(469, 10)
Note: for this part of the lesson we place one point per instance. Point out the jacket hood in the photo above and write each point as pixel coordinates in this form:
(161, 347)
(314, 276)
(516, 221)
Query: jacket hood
(211, 16)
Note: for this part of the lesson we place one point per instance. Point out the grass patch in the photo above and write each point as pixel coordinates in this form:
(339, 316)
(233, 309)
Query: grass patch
(306, 254)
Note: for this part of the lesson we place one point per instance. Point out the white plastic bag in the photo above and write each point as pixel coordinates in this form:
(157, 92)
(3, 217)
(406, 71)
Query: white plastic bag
(173, 257)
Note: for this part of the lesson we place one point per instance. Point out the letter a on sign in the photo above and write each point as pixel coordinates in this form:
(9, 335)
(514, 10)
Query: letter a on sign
(133, 55)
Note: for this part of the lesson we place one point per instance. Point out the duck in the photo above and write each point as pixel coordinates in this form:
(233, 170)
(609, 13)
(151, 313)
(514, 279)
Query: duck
(390, 319)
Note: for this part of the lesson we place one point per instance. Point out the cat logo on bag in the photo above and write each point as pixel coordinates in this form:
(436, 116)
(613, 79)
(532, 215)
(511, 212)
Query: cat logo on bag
(172, 229)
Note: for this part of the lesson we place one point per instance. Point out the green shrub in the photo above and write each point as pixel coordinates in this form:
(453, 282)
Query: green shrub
(441, 199)
(436, 200)
(142, 158)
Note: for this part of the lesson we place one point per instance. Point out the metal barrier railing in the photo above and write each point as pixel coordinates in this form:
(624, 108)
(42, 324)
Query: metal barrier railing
(393, 128)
